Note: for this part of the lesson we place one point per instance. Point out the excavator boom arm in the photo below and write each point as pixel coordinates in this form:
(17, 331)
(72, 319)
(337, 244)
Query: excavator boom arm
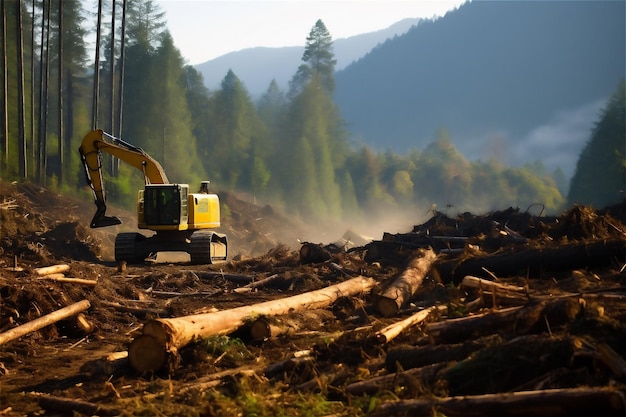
(91, 148)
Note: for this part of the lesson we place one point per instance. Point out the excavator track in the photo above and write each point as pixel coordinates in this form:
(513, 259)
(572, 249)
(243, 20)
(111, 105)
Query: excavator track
(208, 247)
(127, 247)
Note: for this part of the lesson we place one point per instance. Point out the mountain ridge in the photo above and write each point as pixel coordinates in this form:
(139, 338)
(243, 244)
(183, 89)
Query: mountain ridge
(280, 63)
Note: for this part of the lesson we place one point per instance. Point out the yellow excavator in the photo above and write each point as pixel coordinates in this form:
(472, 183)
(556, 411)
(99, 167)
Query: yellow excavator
(178, 217)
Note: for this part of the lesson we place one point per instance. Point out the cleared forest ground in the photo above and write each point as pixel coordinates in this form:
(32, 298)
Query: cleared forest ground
(505, 313)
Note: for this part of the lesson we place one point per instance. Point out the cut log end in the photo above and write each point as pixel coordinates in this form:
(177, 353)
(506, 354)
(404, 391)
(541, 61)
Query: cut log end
(146, 354)
(387, 307)
(260, 329)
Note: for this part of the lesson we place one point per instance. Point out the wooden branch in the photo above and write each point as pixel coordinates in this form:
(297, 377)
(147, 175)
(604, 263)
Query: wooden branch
(257, 284)
(183, 294)
(409, 357)
(161, 338)
(484, 284)
(106, 366)
(212, 380)
(137, 311)
(54, 269)
(403, 287)
(612, 359)
(390, 332)
(552, 402)
(44, 321)
(390, 381)
(69, 407)
(59, 277)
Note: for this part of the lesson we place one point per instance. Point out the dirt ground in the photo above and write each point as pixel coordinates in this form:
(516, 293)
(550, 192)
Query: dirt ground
(552, 343)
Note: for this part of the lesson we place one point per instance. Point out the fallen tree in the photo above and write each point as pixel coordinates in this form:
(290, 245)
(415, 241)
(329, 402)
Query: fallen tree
(392, 331)
(533, 317)
(553, 402)
(160, 340)
(405, 285)
(534, 262)
(44, 321)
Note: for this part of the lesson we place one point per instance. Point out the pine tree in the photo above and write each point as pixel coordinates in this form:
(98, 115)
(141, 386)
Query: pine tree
(234, 125)
(600, 177)
(318, 61)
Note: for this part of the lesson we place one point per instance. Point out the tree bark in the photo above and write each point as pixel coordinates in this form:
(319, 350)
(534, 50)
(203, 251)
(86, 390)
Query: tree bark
(311, 253)
(533, 317)
(403, 288)
(420, 356)
(58, 277)
(533, 262)
(553, 402)
(390, 381)
(267, 327)
(161, 338)
(53, 269)
(69, 406)
(44, 321)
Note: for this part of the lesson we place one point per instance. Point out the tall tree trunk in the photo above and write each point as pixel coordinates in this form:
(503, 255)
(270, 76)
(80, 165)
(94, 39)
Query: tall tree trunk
(20, 95)
(5, 88)
(120, 102)
(32, 85)
(40, 124)
(60, 99)
(112, 94)
(96, 73)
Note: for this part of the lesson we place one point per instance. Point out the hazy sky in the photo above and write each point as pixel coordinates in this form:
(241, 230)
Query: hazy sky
(205, 29)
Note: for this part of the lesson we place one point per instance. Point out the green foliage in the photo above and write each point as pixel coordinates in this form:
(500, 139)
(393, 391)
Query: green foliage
(600, 176)
(288, 149)
(318, 61)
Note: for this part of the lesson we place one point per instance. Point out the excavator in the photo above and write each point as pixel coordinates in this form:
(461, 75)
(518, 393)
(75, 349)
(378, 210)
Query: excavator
(180, 219)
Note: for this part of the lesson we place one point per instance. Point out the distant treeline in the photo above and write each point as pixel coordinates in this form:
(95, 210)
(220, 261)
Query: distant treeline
(290, 149)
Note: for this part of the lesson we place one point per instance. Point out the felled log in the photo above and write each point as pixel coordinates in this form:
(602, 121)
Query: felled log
(611, 359)
(59, 277)
(161, 338)
(137, 311)
(68, 406)
(495, 294)
(390, 332)
(265, 327)
(535, 316)
(212, 380)
(533, 262)
(553, 402)
(257, 284)
(54, 269)
(287, 365)
(107, 366)
(44, 321)
(311, 253)
(394, 380)
(479, 283)
(405, 285)
(409, 357)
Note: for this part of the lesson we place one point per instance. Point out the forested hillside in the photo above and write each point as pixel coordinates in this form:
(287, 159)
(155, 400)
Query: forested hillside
(515, 80)
(291, 148)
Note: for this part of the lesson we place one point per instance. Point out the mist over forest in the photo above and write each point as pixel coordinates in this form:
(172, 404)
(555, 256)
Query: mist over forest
(522, 82)
(482, 109)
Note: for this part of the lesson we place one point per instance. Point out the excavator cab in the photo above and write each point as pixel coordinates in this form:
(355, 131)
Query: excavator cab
(164, 205)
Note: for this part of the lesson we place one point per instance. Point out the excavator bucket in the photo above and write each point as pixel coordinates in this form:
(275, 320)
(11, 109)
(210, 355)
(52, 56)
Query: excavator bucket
(102, 220)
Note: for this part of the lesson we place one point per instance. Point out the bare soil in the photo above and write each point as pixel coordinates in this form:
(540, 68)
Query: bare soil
(316, 367)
